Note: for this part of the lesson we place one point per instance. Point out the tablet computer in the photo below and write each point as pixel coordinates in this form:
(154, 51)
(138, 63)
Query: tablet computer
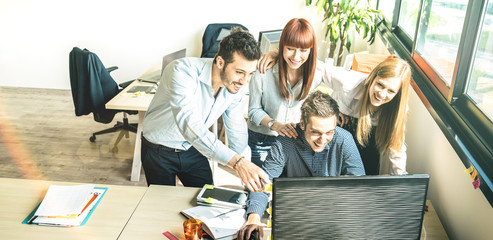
(222, 197)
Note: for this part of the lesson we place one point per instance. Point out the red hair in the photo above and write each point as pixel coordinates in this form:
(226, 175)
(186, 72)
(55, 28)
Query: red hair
(298, 33)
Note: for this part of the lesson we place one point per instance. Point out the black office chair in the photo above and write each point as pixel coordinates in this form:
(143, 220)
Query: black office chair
(92, 87)
(213, 34)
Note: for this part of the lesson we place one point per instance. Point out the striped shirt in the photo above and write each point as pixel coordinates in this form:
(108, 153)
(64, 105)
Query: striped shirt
(295, 158)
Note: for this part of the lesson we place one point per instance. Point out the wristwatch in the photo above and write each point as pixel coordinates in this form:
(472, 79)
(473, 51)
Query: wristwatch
(270, 124)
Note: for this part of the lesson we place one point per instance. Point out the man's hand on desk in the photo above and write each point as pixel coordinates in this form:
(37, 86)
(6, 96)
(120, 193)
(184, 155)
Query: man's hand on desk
(251, 175)
(253, 224)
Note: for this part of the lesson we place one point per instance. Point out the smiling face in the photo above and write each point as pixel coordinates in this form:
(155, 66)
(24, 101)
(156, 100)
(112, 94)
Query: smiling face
(295, 57)
(383, 90)
(319, 131)
(237, 73)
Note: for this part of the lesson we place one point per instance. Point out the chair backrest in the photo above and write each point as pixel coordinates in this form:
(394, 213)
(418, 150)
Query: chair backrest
(213, 35)
(91, 84)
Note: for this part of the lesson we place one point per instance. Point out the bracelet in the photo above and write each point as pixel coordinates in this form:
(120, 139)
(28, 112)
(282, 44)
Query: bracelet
(237, 161)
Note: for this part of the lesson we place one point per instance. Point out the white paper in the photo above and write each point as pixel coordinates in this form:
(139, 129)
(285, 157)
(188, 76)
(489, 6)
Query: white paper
(64, 200)
(71, 221)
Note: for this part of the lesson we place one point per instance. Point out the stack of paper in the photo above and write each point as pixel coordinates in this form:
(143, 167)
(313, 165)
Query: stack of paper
(219, 223)
(66, 205)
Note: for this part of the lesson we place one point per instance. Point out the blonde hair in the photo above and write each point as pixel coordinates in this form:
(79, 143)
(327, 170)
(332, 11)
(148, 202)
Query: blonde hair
(389, 134)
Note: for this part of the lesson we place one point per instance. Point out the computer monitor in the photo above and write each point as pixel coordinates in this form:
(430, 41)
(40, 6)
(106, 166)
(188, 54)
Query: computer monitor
(269, 40)
(349, 207)
(155, 76)
(171, 57)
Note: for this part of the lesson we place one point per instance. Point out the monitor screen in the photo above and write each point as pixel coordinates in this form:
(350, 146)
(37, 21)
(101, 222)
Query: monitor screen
(171, 57)
(269, 40)
(349, 207)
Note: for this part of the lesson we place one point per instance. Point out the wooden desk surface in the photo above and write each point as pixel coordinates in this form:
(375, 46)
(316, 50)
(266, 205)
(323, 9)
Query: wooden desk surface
(18, 197)
(432, 227)
(131, 101)
(159, 211)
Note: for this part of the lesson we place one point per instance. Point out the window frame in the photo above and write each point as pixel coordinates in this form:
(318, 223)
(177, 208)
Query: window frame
(468, 130)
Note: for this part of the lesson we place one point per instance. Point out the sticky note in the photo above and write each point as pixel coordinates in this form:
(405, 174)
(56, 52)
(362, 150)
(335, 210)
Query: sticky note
(473, 175)
(476, 183)
(208, 186)
(269, 210)
(469, 170)
(210, 200)
(268, 188)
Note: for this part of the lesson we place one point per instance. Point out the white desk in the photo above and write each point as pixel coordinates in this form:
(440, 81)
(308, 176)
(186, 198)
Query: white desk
(140, 103)
(19, 197)
(159, 211)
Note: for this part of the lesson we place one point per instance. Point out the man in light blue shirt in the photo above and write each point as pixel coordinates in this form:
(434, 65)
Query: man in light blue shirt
(192, 95)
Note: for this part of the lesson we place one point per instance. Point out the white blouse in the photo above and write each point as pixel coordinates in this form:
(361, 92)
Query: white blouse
(348, 90)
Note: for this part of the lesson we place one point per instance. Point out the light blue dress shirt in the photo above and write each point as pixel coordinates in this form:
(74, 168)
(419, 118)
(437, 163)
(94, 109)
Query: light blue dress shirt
(184, 108)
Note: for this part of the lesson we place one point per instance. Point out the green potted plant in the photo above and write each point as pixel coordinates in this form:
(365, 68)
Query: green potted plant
(342, 16)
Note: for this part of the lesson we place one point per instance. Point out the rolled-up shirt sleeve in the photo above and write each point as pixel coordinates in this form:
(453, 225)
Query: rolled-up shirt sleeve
(257, 201)
(394, 162)
(236, 127)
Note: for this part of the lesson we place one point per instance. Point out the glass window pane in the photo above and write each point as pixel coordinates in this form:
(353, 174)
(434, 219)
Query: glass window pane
(480, 87)
(439, 33)
(387, 8)
(408, 16)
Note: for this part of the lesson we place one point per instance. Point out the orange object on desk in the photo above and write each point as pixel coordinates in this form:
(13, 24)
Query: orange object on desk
(366, 62)
(193, 229)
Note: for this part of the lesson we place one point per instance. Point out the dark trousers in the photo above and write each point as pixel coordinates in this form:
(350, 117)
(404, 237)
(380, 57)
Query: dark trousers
(260, 145)
(369, 153)
(162, 164)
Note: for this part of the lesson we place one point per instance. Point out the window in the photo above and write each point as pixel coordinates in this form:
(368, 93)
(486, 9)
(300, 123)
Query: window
(449, 43)
(387, 8)
(480, 87)
(408, 17)
(440, 29)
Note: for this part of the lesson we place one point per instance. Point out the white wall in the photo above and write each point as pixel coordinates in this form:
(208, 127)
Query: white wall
(464, 211)
(37, 36)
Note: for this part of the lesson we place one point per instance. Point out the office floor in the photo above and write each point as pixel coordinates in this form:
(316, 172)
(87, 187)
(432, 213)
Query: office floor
(41, 138)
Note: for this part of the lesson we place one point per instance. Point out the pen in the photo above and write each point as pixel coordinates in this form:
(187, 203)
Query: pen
(170, 235)
(32, 219)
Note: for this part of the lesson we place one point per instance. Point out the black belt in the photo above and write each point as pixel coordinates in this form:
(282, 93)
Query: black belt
(159, 146)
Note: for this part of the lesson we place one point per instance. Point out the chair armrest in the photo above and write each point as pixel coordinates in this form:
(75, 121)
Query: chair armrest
(125, 84)
(109, 69)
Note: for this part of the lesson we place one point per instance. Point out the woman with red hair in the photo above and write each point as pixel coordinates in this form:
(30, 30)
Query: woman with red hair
(277, 95)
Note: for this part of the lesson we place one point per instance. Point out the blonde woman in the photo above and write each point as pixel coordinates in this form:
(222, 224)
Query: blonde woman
(374, 111)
